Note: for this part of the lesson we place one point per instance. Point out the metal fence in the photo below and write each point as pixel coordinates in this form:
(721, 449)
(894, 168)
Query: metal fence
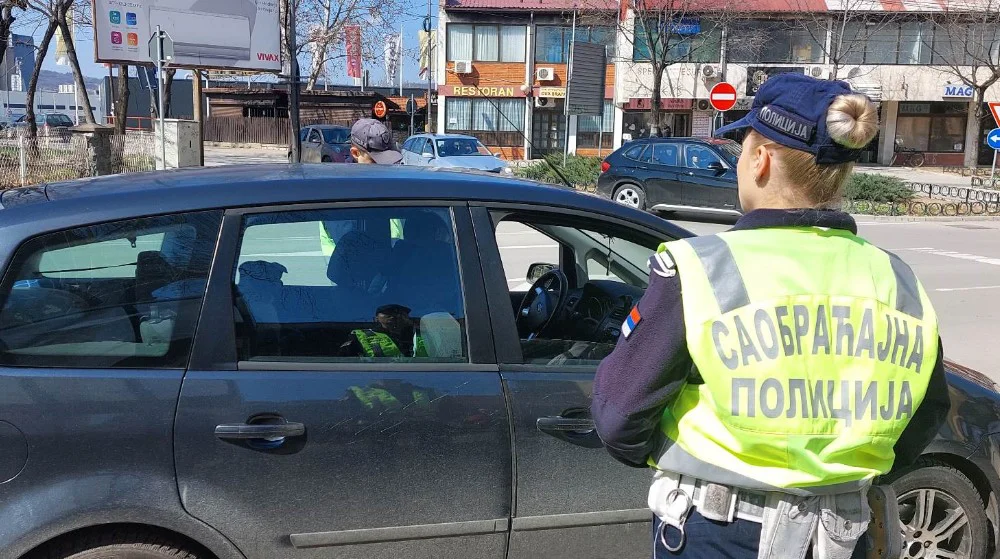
(64, 156)
(247, 130)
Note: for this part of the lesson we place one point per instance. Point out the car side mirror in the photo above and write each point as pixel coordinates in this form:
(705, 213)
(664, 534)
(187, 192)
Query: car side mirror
(537, 270)
(716, 167)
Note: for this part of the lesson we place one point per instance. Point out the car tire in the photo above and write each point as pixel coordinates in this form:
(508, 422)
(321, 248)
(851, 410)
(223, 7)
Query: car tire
(630, 195)
(957, 523)
(127, 543)
(326, 159)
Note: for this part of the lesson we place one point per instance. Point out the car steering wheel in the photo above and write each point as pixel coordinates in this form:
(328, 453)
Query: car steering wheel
(542, 303)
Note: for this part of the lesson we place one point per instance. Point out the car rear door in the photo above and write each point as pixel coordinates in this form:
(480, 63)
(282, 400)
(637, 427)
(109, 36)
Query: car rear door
(710, 188)
(573, 501)
(295, 441)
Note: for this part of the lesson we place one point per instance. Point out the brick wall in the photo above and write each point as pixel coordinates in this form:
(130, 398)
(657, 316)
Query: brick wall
(508, 153)
(509, 74)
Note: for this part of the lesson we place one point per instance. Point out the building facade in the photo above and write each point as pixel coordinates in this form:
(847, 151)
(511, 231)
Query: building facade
(906, 56)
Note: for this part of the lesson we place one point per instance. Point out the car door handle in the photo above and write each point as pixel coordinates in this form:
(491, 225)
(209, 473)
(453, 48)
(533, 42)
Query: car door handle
(691, 173)
(245, 431)
(560, 424)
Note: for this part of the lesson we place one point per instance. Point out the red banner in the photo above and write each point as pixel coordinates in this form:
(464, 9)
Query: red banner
(352, 39)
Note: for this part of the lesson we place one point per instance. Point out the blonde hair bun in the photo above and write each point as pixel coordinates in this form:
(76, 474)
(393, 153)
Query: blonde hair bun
(852, 120)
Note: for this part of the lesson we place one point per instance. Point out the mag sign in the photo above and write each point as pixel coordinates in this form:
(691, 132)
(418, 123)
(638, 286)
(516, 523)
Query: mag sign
(209, 34)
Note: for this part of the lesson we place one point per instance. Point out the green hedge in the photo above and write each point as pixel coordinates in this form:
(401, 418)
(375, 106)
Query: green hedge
(579, 171)
(877, 188)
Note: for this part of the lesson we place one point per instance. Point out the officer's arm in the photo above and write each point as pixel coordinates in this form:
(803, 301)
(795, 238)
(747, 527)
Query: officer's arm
(644, 373)
(927, 420)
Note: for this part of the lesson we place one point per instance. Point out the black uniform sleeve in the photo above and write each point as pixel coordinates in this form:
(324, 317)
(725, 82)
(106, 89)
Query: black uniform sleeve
(644, 373)
(929, 417)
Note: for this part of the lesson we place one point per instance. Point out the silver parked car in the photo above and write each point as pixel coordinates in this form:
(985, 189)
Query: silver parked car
(451, 151)
(325, 143)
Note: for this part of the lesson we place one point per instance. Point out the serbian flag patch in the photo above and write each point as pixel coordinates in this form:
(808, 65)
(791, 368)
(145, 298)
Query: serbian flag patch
(631, 321)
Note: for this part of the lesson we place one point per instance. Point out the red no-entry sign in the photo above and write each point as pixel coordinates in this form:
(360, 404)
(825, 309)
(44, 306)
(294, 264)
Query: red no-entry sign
(723, 96)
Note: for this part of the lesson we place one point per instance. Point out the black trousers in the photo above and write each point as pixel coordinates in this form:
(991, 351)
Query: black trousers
(708, 539)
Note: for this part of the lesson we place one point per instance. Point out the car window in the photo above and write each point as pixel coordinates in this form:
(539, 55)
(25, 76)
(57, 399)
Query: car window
(388, 291)
(314, 136)
(607, 275)
(336, 135)
(408, 144)
(426, 147)
(451, 147)
(124, 294)
(665, 154)
(638, 153)
(731, 151)
(303, 134)
(700, 157)
(59, 120)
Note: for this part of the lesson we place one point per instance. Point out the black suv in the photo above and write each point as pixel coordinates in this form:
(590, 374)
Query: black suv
(671, 174)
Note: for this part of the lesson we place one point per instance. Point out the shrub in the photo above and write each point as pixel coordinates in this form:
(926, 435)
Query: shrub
(579, 171)
(877, 188)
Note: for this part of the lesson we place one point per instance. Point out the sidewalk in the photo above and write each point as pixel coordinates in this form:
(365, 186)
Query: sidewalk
(922, 175)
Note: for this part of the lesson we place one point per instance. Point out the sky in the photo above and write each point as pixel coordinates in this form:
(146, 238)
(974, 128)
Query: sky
(411, 20)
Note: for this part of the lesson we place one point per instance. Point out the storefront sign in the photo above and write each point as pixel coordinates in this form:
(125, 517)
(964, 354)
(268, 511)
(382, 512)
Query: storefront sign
(957, 90)
(701, 124)
(554, 92)
(684, 26)
(473, 91)
(743, 104)
(757, 75)
(645, 103)
(915, 108)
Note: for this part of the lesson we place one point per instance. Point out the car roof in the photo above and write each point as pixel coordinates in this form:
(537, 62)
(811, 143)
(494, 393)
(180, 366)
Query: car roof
(445, 136)
(684, 140)
(328, 127)
(55, 206)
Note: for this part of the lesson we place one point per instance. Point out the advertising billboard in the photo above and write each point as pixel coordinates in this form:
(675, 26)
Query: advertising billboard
(209, 34)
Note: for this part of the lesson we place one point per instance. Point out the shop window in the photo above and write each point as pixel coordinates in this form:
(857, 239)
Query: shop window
(779, 42)
(597, 131)
(932, 127)
(694, 41)
(552, 43)
(486, 43)
(496, 122)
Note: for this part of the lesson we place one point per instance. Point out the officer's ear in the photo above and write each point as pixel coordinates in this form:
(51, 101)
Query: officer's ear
(761, 159)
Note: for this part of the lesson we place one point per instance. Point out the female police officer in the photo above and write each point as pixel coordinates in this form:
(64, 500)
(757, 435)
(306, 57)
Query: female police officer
(772, 371)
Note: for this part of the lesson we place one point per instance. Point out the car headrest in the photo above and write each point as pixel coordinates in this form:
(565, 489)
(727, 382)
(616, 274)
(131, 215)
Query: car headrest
(425, 227)
(262, 270)
(357, 259)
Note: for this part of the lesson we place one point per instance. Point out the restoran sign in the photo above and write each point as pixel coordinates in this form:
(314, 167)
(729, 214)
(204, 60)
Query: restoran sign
(957, 90)
(473, 91)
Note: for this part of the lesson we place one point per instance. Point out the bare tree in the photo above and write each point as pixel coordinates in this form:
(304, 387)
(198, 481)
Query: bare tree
(58, 15)
(854, 29)
(668, 32)
(966, 45)
(321, 29)
(43, 49)
(120, 108)
(168, 85)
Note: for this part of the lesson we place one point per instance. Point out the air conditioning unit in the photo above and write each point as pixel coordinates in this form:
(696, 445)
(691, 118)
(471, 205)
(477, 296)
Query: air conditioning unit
(545, 74)
(853, 73)
(222, 34)
(704, 105)
(541, 102)
(817, 71)
(463, 67)
(710, 70)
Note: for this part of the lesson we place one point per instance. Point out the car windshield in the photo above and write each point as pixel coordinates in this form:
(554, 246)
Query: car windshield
(59, 120)
(451, 147)
(731, 151)
(336, 135)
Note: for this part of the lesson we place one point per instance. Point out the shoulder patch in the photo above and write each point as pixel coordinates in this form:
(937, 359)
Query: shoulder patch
(662, 265)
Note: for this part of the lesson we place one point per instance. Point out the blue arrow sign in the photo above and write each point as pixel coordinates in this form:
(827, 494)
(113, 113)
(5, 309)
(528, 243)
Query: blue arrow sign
(993, 138)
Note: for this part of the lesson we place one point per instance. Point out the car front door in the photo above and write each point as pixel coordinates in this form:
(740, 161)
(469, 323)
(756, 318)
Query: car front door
(711, 186)
(353, 407)
(573, 500)
(313, 150)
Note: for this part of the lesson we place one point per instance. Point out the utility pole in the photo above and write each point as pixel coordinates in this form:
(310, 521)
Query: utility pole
(569, 75)
(159, 77)
(399, 59)
(293, 83)
(199, 114)
(430, 65)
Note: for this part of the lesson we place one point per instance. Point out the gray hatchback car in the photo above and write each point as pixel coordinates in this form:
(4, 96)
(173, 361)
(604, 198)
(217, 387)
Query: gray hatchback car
(451, 151)
(180, 373)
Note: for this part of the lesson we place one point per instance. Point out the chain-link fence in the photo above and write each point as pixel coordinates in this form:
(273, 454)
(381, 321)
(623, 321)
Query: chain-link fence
(63, 156)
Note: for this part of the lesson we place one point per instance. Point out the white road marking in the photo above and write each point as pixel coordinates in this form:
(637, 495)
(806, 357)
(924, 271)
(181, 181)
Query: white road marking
(960, 255)
(968, 288)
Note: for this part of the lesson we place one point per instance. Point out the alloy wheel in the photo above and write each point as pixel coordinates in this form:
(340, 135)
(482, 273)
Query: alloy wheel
(628, 196)
(935, 526)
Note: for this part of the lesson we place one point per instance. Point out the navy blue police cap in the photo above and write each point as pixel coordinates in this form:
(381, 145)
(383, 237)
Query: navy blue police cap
(790, 109)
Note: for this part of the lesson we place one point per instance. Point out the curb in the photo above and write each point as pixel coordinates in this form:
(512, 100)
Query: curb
(915, 218)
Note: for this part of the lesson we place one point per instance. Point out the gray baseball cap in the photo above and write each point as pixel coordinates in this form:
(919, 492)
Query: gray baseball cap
(372, 136)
